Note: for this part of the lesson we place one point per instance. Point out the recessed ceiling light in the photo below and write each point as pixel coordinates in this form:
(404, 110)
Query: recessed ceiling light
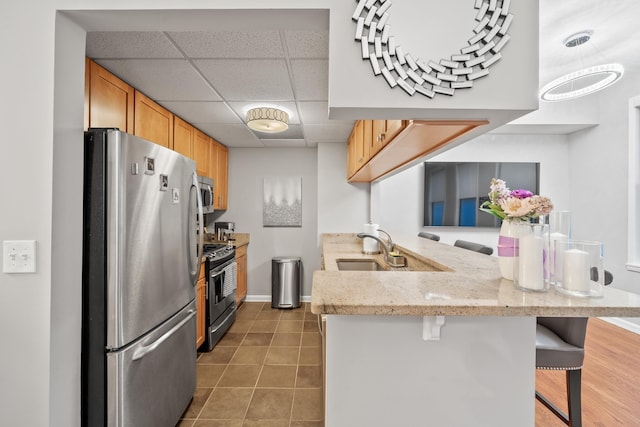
(584, 81)
(268, 119)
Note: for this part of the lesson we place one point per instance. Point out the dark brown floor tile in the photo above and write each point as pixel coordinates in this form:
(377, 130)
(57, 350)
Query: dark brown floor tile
(219, 355)
(267, 307)
(253, 307)
(310, 326)
(200, 396)
(218, 423)
(270, 404)
(310, 356)
(240, 376)
(240, 326)
(269, 315)
(311, 339)
(247, 315)
(310, 316)
(282, 356)
(289, 326)
(308, 377)
(227, 404)
(264, 326)
(286, 339)
(306, 306)
(266, 423)
(185, 423)
(208, 375)
(258, 339)
(231, 339)
(307, 404)
(294, 314)
(277, 376)
(246, 355)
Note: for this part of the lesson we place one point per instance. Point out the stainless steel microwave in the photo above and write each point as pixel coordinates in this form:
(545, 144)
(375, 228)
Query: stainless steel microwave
(206, 193)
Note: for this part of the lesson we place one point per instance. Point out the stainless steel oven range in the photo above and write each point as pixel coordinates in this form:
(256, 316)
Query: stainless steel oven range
(221, 270)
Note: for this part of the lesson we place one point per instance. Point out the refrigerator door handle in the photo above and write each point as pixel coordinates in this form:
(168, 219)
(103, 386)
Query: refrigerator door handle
(143, 351)
(195, 263)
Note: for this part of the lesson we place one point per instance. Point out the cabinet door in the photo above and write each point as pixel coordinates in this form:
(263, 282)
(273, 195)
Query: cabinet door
(241, 259)
(220, 163)
(202, 147)
(377, 140)
(392, 128)
(201, 305)
(110, 101)
(183, 137)
(152, 122)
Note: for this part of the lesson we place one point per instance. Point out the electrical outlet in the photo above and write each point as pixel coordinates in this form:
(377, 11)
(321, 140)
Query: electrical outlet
(19, 256)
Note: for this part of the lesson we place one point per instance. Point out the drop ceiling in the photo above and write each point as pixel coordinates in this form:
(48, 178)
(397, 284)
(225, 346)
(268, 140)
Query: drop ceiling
(254, 58)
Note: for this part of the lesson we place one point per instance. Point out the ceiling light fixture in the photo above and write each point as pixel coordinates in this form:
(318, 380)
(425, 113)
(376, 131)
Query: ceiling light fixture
(582, 82)
(268, 119)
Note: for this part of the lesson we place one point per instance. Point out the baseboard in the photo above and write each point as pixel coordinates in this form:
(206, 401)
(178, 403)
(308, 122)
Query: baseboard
(624, 324)
(267, 298)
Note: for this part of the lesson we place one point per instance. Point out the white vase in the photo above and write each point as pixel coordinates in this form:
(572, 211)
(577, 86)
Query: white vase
(507, 249)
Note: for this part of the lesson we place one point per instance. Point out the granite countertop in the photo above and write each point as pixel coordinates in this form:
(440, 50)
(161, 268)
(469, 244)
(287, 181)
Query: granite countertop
(463, 283)
(241, 239)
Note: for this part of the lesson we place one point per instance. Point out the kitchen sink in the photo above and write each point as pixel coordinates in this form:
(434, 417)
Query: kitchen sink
(359, 265)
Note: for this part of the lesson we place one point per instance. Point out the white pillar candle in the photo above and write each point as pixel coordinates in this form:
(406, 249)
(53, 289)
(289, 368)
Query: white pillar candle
(556, 255)
(530, 267)
(576, 275)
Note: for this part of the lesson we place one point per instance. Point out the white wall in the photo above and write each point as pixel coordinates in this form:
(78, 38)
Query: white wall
(401, 200)
(598, 179)
(342, 207)
(247, 168)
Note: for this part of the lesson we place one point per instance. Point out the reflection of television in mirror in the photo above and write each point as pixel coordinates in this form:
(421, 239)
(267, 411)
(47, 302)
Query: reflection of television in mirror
(453, 191)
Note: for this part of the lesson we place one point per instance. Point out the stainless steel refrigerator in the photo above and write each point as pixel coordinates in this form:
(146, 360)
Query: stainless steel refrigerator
(140, 267)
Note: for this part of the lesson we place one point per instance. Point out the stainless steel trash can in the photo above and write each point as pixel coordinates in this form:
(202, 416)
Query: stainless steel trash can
(286, 281)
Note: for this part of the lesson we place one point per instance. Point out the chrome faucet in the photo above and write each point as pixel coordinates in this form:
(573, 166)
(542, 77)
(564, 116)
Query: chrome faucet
(388, 247)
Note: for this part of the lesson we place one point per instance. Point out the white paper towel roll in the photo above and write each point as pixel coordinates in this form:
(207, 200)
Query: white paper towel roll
(370, 246)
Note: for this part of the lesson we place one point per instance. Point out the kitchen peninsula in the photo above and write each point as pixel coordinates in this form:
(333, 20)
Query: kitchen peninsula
(448, 343)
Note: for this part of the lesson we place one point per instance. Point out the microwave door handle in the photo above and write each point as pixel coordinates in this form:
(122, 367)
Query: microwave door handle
(210, 190)
(194, 264)
(143, 351)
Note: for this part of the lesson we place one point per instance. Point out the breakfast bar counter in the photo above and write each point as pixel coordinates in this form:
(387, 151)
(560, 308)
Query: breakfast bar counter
(448, 342)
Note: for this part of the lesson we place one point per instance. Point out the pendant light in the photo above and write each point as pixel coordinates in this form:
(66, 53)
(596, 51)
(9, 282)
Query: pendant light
(584, 81)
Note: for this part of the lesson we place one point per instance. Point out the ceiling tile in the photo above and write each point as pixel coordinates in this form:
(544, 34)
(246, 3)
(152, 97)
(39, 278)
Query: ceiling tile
(314, 112)
(311, 79)
(329, 132)
(284, 143)
(130, 44)
(294, 132)
(162, 79)
(241, 108)
(203, 111)
(230, 135)
(230, 44)
(307, 44)
(248, 80)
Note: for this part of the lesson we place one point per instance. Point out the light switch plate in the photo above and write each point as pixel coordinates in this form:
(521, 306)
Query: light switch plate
(19, 256)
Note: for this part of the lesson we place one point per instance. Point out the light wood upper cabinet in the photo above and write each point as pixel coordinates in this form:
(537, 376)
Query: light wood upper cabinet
(220, 165)
(402, 143)
(202, 152)
(358, 146)
(183, 137)
(109, 102)
(152, 122)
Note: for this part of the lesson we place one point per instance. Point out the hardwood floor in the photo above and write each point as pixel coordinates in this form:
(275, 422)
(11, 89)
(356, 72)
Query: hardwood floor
(610, 380)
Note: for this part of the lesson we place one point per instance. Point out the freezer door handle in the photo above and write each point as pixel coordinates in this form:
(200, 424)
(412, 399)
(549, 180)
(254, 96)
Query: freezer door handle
(143, 351)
